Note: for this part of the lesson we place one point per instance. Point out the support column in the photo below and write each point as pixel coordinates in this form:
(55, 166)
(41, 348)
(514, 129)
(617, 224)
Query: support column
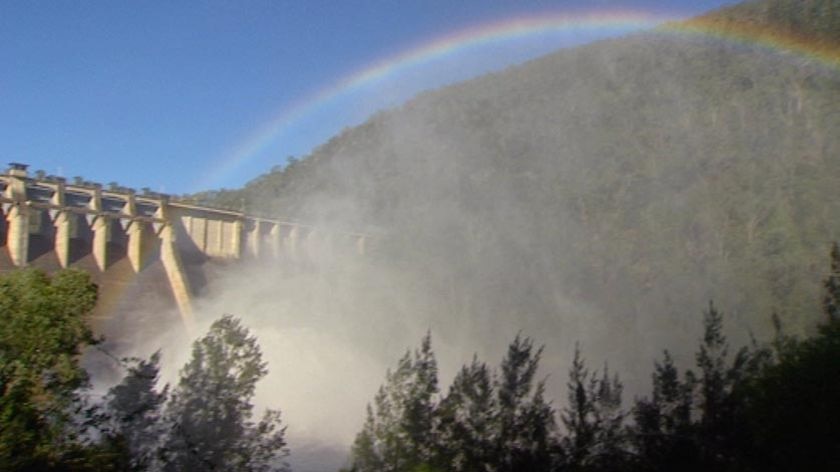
(174, 268)
(101, 231)
(236, 239)
(276, 241)
(292, 242)
(61, 222)
(253, 239)
(134, 250)
(135, 231)
(17, 216)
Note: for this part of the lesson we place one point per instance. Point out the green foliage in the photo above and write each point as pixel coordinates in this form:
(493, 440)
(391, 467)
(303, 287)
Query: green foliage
(44, 330)
(524, 419)
(134, 408)
(793, 410)
(595, 435)
(831, 287)
(662, 434)
(484, 423)
(47, 423)
(397, 435)
(467, 420)
(210, 412)
(765, 408)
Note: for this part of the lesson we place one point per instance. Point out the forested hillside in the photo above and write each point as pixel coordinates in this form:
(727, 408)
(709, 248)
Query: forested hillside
(618, 185)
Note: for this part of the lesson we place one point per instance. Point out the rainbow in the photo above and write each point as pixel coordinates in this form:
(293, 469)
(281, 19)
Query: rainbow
(775, 39)
(510, 30)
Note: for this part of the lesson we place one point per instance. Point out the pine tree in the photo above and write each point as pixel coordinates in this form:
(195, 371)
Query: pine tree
(465, 426)
(662, 432)
(596, 437)
(719, 385)
(398, 432)
(609, 449)
(579, 414)
(831, 285)
(210, 413)
(135, 410)
(525, 422)
(420, 405)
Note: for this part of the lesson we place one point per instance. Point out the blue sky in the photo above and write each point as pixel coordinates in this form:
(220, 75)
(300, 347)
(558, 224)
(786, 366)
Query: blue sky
(175, 95)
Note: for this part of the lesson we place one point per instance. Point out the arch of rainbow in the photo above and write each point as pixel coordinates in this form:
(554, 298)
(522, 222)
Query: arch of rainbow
(520, 27)
(83, 220)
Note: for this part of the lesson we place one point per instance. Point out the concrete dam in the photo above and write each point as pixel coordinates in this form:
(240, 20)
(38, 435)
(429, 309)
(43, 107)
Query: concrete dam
(146, 245)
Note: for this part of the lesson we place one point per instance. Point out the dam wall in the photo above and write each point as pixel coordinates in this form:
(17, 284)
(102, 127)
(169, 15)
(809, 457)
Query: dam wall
(123, 238)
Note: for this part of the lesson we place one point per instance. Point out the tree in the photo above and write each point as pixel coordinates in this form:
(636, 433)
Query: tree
(466, 421)
(579, 414)
(134, 408)
(719, 389)
(831, 286)
(609, 449)
(210, 413)
(792, 413)
(398, 432)
(525, 422)
(662, 433)
(44, 331)
(594, 421)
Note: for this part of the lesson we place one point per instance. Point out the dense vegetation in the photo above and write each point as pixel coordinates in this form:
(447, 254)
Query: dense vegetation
(665, 168)
(761, 408)
(50, 422)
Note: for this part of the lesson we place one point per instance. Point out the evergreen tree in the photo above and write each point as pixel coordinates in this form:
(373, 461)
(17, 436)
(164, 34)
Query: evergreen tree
(465, 426)
(579, 414)
(610, 440)
(792, 414)
(135, 410)
(596, 437)
(525, 421)
(662, 433)
(831, 286)
(210, 413)
(720, 387)
(792, 411)
(398, 431)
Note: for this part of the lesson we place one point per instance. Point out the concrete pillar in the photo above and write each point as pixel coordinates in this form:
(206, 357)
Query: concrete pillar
(135, 231)
(61, 221)
(17, 216)
(236, 239)
(252, 229)
(275, 238)
(134, 251)
(171, 259)
(292, 242)
(101, 227)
